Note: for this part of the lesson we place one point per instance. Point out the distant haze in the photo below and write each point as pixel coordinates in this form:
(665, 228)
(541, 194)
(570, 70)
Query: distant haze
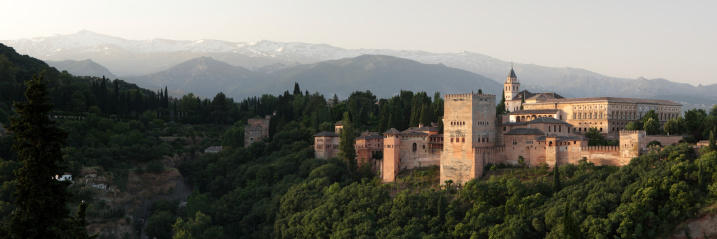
(673, 40)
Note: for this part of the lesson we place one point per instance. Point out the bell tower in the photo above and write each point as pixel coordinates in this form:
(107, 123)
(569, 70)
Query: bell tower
(512, 86)
(512, 89)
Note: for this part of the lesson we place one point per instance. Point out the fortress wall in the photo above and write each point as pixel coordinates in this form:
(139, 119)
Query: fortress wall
(603, 155)
(664, 139)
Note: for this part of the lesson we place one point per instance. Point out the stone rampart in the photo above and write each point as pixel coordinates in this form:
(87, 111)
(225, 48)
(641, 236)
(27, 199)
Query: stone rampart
(664, 139)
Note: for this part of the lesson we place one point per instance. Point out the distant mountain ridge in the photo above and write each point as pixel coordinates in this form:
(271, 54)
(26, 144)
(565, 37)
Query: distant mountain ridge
(139, 58)
(82, 68)
(385, 76)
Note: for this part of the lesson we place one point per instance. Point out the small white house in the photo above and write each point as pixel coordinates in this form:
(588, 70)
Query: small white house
(213, 149)
(64, 177)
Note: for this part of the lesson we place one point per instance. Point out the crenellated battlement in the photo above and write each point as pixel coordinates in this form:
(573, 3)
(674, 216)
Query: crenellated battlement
(468, 96)
(630, 132)
(600, 148)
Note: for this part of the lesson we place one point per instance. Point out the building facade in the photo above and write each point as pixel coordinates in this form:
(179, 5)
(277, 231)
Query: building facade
(542, 128)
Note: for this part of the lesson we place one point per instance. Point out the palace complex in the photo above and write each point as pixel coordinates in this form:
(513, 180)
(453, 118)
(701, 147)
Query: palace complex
(540, 128)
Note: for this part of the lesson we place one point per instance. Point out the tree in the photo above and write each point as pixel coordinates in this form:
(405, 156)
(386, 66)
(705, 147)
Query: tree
(297, 89)
(570, 227)
(594, 137)
(633, 126)
(651, 126)
(219, 108)
(556, 179)
(672, 127)
(500, 108)
(712, 146)
(693, 121)
(159, 225)
(40, 199)
(347, 152)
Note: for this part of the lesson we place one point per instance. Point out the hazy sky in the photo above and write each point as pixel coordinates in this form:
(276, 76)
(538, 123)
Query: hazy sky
(675, 40)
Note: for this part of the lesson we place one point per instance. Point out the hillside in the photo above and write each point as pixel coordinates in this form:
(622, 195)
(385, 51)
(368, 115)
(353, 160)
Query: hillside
(82, 68)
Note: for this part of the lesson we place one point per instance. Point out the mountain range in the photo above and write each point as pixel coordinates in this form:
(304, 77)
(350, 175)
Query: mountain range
(267, 65)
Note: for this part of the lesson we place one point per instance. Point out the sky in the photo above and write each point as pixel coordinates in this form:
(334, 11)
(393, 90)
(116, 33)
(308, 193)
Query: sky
(674, 40)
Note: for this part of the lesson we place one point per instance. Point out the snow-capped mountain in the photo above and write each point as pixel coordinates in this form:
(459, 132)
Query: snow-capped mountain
(89, 45)
(142, 57)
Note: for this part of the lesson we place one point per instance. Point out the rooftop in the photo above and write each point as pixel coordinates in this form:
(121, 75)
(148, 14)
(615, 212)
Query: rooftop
(559, 138)
(608, 99)
(543, 111)
(525, 131)
(548, 120)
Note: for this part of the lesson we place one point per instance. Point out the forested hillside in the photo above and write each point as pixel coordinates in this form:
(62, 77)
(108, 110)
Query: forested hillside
(147, 150)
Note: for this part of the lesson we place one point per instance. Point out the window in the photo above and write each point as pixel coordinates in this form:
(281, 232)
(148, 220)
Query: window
(415, 147)
(515, 142)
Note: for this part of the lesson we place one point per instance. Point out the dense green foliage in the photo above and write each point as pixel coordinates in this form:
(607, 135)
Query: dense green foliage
(40, 210)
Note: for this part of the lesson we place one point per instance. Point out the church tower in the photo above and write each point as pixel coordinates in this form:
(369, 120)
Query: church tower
(512, 88)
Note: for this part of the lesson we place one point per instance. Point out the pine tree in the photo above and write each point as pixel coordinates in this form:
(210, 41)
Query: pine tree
(347, 152)
(40, 199)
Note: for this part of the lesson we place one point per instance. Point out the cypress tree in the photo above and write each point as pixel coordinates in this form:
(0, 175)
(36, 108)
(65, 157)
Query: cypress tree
(165, 100)
(556, 178)
(500, 108)
(712, 144)
(347, 152)
(40, 199)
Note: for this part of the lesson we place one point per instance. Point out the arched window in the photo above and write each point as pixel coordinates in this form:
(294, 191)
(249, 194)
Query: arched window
(415, 147)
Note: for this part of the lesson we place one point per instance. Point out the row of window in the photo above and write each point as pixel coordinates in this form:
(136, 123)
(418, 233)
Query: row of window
(328, 146)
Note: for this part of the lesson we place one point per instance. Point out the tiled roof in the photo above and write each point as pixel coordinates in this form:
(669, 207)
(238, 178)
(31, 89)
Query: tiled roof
(610, 99)
(544, 111)
(372, 136)
(326, 134)
(392, 131)
(542, 138)
(515, 123)
(525, 131)
(537, 96)
(548, 120)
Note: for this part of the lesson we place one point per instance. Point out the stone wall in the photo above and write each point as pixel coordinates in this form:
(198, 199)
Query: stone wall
(256, 130)
(603, 155)
(664, 139)
(422, 156)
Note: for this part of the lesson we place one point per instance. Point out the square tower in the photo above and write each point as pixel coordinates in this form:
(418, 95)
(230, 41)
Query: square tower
(468, 123)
